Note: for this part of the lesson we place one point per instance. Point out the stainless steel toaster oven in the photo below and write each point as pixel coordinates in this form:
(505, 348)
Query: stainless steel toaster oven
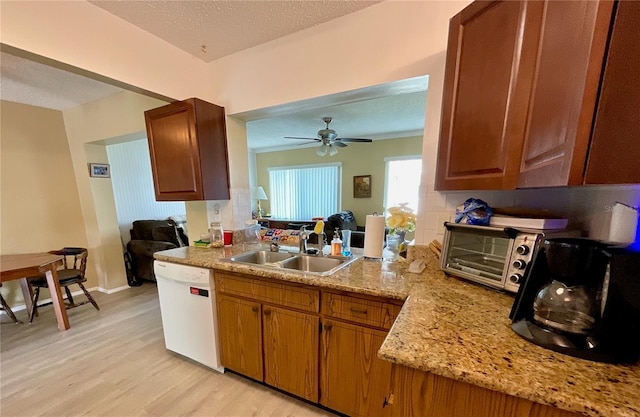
(493, 256)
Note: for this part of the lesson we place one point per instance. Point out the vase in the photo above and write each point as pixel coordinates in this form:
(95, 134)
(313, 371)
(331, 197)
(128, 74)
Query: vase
(393, 246)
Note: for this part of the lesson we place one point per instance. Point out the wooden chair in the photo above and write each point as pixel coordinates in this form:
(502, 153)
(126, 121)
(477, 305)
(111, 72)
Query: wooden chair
(73, 271)
(4, 306)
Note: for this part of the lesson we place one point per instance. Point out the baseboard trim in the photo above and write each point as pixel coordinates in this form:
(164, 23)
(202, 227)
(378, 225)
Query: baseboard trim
(21, 307)
(111, 291)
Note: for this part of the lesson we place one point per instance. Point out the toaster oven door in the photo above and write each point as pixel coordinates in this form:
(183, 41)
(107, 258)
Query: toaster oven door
(478, 253)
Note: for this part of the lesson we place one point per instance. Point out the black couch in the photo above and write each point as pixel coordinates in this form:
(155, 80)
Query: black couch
(148, 237)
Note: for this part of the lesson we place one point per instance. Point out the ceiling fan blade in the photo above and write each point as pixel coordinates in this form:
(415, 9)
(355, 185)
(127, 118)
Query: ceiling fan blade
(295, 137)
(340, 144)
(354, 140)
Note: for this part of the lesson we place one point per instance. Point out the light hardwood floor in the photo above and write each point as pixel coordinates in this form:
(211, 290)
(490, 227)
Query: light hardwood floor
(113, 362)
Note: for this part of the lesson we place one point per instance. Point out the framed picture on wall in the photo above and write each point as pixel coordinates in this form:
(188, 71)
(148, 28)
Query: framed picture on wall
(362, 186)
(99, 170)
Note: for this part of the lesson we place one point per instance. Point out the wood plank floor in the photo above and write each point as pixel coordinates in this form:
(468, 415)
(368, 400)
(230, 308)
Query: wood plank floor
(113, 362)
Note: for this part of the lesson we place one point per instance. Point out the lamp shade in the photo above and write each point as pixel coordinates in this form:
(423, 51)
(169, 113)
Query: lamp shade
(259, 194)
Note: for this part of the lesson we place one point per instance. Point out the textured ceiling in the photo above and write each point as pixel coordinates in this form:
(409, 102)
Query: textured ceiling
(393, 116)
(213, 29)
(29, 82)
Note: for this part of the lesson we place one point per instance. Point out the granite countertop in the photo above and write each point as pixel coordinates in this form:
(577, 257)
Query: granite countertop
(462, 331)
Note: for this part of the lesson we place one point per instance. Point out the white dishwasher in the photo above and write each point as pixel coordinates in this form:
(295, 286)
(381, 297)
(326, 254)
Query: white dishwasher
(188, 310)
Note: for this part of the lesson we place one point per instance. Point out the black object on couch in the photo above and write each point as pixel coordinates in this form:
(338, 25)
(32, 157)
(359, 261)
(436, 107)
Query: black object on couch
(148, 237)
(345, 220)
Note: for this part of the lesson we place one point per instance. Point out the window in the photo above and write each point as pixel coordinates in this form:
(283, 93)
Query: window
(402, 181)
(306, 191)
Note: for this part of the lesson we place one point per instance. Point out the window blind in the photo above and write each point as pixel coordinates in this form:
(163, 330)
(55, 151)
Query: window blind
(306, 191)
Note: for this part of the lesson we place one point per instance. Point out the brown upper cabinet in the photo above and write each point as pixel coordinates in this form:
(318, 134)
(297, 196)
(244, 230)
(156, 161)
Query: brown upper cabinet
(535, 95)
(188, 147)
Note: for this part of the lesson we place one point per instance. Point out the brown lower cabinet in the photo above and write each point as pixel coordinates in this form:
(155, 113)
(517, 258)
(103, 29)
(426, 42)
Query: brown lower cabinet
(291, 351)
(353, 380)
(323, 346)
(263, 340)
(241, 347)
(418, 393)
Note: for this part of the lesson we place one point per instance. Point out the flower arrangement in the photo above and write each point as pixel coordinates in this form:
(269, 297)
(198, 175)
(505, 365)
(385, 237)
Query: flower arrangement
(401, 219)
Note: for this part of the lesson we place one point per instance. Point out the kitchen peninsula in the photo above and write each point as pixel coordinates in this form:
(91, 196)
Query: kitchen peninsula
(456, 334)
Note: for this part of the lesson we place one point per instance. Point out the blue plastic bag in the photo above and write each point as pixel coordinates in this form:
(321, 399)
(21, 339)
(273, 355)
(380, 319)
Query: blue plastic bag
(474, 211)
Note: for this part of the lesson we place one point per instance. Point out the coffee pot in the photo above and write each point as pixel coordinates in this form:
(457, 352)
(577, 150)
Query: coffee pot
(582, 297)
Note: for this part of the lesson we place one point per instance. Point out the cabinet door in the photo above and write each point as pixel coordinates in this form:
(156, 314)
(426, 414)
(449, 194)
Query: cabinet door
(571, 48)
(352, 378)
(615, 149)
(239, 327)
(173, 146)
(291, 351)
(490, 57)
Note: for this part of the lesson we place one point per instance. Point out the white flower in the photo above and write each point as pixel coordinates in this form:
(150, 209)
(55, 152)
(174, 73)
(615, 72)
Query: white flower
(401, 217)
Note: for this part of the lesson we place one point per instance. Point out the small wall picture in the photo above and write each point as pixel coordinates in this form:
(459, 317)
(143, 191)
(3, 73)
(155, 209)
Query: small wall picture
(99, 170)
(362, 186)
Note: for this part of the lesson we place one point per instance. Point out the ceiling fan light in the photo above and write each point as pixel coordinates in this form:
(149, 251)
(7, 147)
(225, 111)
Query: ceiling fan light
(332, 150)
(322, 150)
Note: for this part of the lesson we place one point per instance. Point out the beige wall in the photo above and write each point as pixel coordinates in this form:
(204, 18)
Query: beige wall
(45, 156)
(356, 159)
(40, 204)
(89, 127)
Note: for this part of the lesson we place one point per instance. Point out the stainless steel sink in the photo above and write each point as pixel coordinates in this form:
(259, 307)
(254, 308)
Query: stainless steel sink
(316, 265)
(261, 257)
(313, 263)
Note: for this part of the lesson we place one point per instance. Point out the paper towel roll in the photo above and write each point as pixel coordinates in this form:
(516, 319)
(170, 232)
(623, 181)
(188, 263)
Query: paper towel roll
(374, 236)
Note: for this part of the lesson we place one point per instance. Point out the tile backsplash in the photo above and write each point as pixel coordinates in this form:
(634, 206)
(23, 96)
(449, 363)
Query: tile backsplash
(587, 207)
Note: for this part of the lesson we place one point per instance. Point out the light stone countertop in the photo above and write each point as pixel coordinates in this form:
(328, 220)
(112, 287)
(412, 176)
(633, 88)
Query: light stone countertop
(459, 330)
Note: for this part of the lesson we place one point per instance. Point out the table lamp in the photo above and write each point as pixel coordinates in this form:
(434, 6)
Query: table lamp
(259, 194)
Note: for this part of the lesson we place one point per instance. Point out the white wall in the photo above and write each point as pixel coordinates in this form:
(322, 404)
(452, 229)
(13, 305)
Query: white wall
(133, 191)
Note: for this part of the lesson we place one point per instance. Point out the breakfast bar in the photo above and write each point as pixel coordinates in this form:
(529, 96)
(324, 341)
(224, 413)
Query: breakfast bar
(456, 330)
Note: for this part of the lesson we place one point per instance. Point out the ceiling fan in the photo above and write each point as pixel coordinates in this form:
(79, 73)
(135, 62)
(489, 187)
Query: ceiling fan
(329, 140)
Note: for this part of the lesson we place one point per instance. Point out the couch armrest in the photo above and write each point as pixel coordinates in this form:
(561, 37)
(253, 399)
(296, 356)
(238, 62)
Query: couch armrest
(148, 247)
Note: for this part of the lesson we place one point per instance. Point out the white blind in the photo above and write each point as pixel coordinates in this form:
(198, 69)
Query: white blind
(304, 192)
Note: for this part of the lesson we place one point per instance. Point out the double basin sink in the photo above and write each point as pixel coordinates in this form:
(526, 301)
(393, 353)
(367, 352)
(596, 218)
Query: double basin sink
(316, 265)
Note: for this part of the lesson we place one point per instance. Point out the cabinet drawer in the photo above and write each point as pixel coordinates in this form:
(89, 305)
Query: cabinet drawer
(369, 312)
(270, 292)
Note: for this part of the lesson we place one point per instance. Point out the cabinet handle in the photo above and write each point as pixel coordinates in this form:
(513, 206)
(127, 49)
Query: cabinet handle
(254, 309)
(328, 327)
(358, 311)
(267, 312)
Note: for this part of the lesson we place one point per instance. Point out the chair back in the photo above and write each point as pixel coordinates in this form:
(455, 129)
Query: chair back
(73, 258)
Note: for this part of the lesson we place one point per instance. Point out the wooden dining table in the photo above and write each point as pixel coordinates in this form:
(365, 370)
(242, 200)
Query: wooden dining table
(21, 266)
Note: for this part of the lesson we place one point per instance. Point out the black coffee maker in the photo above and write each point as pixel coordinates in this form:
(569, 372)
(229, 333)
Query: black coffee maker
(581, 297)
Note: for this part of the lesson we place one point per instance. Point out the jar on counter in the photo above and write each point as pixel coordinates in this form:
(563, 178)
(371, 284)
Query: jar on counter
(217, 235)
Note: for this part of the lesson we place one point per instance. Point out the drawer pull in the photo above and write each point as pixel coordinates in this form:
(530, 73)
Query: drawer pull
(358, 310)
(267, 312)
(254, 309)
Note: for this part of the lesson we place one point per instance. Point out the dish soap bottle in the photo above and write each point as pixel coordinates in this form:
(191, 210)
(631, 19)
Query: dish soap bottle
(336, 244)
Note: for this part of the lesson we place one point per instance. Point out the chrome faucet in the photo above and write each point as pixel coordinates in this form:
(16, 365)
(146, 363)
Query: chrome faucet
(320, 243)
(303, 238)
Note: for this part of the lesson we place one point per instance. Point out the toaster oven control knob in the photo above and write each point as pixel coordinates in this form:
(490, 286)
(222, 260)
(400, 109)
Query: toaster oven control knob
(516, 278)
(519, 264)
(522, 249)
